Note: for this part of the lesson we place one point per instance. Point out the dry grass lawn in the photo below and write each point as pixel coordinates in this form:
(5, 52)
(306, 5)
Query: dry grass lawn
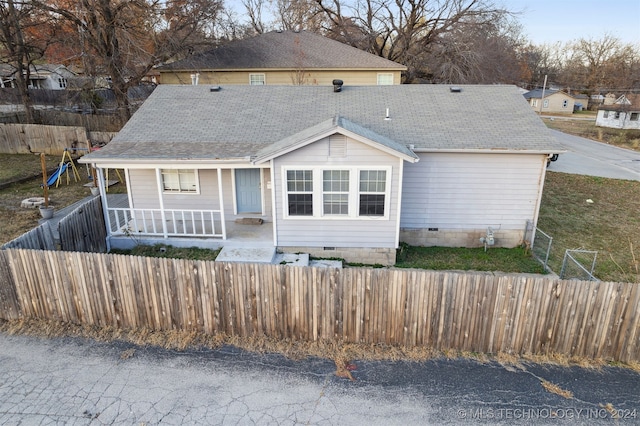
(629, 139)
(609, 225)
(16, 220)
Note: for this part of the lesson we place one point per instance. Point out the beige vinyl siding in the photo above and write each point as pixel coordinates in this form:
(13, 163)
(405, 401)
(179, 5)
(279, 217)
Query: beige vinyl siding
(331, 231)
(471, 191)
(555, 103)
(285, 77)
(144, 192)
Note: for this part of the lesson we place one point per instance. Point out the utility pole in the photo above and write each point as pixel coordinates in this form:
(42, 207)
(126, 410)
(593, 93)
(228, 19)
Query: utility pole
(544, 85)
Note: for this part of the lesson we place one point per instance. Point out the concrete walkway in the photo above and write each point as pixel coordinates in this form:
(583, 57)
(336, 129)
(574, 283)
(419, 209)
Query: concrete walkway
(72, 381)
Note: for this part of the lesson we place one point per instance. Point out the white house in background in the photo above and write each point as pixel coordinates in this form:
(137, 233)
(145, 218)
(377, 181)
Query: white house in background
(49, 76)
(624, 113)
(345, 173)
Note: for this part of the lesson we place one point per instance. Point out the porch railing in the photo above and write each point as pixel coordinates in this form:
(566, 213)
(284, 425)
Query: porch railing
(166, 223)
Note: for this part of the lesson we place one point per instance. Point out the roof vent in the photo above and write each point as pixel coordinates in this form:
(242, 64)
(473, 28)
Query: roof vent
(455, 89)
(214, 89)
(337, 85)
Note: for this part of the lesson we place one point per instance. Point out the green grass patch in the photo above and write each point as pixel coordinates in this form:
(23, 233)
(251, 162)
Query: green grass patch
(469, 259)
(170, 252)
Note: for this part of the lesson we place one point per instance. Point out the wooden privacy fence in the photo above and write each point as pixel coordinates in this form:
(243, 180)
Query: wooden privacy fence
(81, 230)
(52, 140)
(32, 138)
(443, 310)
(84, 228)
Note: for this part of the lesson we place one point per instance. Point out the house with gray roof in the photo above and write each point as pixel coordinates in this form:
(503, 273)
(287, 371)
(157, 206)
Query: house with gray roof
(282, 58)
(348, 171)
(550, 101)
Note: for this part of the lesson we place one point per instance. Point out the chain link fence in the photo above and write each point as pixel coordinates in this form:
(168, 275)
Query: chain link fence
(539, 243)
(579, 265)
(576, 265)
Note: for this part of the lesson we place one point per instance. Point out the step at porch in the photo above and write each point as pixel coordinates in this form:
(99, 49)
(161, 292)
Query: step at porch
(247, 254)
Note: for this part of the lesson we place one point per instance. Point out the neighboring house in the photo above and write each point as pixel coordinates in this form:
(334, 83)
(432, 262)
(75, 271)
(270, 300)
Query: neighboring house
(348, 173)
(48, 76)
(555, 101)
(581, 102)
(283, 58)
(622, 114)
(45, 76)
(7, 76)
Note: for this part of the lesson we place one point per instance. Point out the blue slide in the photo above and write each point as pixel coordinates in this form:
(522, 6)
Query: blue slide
(59, 171)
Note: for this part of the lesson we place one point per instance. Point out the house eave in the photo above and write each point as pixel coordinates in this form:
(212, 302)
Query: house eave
(202, 163)
(490, 151)
(326, 133)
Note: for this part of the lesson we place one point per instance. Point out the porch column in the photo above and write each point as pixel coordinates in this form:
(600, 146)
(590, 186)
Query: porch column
(223, 224)
(161, 200)
(105, 207)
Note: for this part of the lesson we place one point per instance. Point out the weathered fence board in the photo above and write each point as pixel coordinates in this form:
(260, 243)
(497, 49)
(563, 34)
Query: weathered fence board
(35, 138)
(9, 304)
(39, 238)
(84, 228)
(443, 310)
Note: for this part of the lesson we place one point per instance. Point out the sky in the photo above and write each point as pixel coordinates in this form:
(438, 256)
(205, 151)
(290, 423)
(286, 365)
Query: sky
(549, 21)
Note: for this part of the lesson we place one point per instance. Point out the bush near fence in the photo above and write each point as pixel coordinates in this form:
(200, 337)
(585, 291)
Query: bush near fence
(478, 312)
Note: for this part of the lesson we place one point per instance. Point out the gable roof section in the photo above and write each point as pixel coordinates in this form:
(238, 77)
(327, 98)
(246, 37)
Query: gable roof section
(330, 127)
(537, 93)
(626, 103)
(283, 50)
(243, 123)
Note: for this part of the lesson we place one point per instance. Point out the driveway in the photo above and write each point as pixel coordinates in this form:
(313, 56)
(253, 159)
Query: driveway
(587, 157)
(81, 382)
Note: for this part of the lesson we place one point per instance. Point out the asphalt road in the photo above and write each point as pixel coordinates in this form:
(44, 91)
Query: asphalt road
(587, 157)
(82, 382)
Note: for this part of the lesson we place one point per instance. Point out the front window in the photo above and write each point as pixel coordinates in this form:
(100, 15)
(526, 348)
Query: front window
(257, 79)
(565, 103)
(634, 116)
(534, 102)
(300, 192)
(605, 114)
(545, 104)
(62, 82)
(372, 192)
(335, 192)
(385, 79)
(179, 180)
(617, 116)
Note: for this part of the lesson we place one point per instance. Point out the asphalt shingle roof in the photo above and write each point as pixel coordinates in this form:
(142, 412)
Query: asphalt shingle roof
(537, 93)
(284, 49)
(239, 122)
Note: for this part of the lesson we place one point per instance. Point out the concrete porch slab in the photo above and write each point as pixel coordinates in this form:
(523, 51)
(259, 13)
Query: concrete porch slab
(321, 263)
(292, 259)
(246, 254)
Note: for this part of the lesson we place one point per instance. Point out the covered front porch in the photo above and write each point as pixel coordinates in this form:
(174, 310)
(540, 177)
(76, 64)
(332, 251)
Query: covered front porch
(201, 228)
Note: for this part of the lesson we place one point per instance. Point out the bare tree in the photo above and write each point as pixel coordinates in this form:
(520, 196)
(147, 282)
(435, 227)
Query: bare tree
(407, 31)
(130, 37)
(597, 64)
(254, 9)
(22, 41)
